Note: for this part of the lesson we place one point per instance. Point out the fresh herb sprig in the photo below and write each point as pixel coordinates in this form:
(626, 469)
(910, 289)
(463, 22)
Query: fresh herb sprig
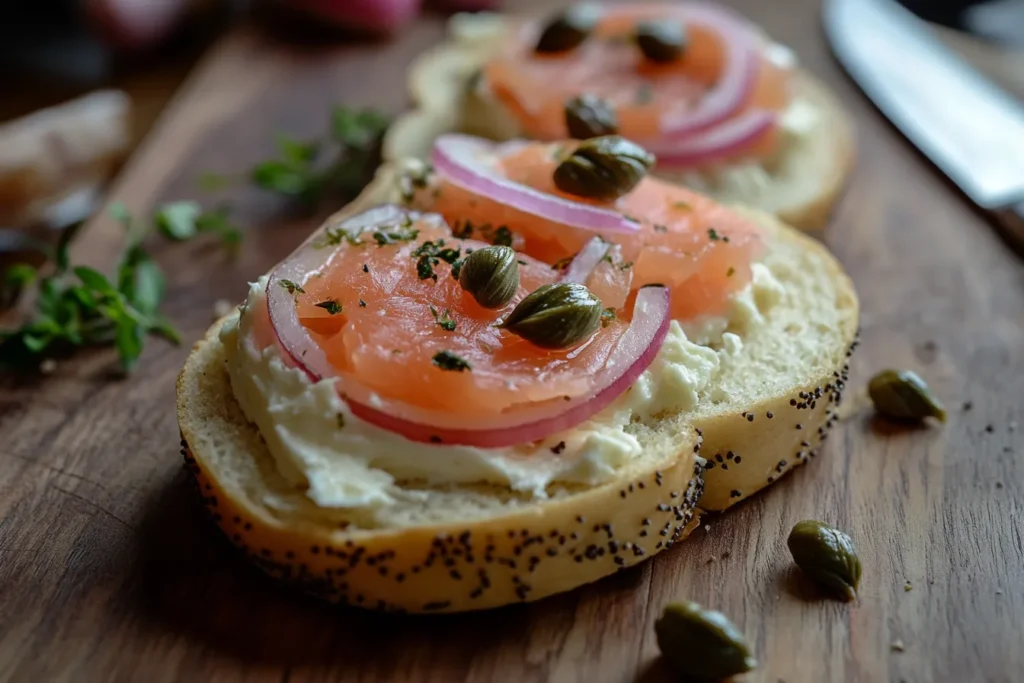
(301, 172)
(78, 306)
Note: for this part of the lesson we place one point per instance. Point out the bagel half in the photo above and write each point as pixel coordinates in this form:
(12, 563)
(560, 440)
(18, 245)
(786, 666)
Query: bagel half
(448, 549)
(466, 547)
(800, 186)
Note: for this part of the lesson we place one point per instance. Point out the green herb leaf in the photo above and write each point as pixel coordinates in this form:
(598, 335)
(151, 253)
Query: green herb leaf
(446, 360)
(177, 221)
(331, 306)
(291, 287)
(443, 320)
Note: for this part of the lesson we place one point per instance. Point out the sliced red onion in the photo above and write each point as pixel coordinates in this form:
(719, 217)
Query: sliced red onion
(634, 353)
(733, 90)
(583, 263)
(468, 162)
(727, 140)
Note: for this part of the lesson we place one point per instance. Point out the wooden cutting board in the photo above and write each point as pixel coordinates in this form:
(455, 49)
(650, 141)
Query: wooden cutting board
(110, 572)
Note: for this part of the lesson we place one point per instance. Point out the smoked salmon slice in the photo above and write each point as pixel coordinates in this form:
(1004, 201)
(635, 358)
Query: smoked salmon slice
(722, 52)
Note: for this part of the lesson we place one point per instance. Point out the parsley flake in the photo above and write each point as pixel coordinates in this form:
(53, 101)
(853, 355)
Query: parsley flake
(292, 287)
(713, 235)
(443, 320)
(362, 304)
(331, 306)
(446, 360)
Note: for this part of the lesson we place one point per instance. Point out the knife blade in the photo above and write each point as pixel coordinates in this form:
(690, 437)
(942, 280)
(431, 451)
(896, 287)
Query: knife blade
(969, 128)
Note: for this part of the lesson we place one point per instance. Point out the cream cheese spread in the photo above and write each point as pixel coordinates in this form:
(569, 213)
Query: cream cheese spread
(342, 461)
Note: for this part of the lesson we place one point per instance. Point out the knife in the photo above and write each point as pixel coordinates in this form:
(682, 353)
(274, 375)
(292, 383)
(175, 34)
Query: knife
(969, 128)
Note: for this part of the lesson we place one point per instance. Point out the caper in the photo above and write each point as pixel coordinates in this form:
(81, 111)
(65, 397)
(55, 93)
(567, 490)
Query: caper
(826, 555)
(661, 42)
(491, 275)
(556, 316)
(569, 29)
(603, 168)
(702, 643)
(589, 116)
(902, 395)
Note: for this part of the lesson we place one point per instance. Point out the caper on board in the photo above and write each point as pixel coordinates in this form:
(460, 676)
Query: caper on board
(589, 116)
(661, 42)
(903, 395)
(826, 555)
(556, 316)
(491, 275)
(702, 643)
(569, 29)
(603, 168)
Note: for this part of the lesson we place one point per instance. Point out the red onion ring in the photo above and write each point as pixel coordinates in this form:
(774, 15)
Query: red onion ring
(462, 159)
(634, 353)
(583, 263)
(733, 90)
(727, 140)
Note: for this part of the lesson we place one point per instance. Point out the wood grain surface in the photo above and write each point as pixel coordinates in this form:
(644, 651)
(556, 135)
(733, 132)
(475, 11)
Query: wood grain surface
(110, 572)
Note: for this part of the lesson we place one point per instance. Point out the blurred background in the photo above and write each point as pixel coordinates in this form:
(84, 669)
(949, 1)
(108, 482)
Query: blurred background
(140, 51)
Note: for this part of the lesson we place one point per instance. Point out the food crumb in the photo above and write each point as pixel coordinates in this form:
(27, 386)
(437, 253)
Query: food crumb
(907, 587)
(707, 527)
(999, 484)
(897, 646)
(48, 366)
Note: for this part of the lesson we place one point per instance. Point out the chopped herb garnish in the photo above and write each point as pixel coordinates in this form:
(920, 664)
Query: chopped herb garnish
(462, 230)
(341, 420)
(625, 265)
(332, 237)
(607, 316)
(730, 272)
(502, 236)
(331, 306)
(682, 206)
(292, 287)
(558, 447)
(425, 268)
(443, 320)
(401, 233)
(362, 304)
(632, 219)
(713, 235)
(366, 268)
(430, 254)
(658, 227)
(521, 262)
(457, 267)
(446, 360)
